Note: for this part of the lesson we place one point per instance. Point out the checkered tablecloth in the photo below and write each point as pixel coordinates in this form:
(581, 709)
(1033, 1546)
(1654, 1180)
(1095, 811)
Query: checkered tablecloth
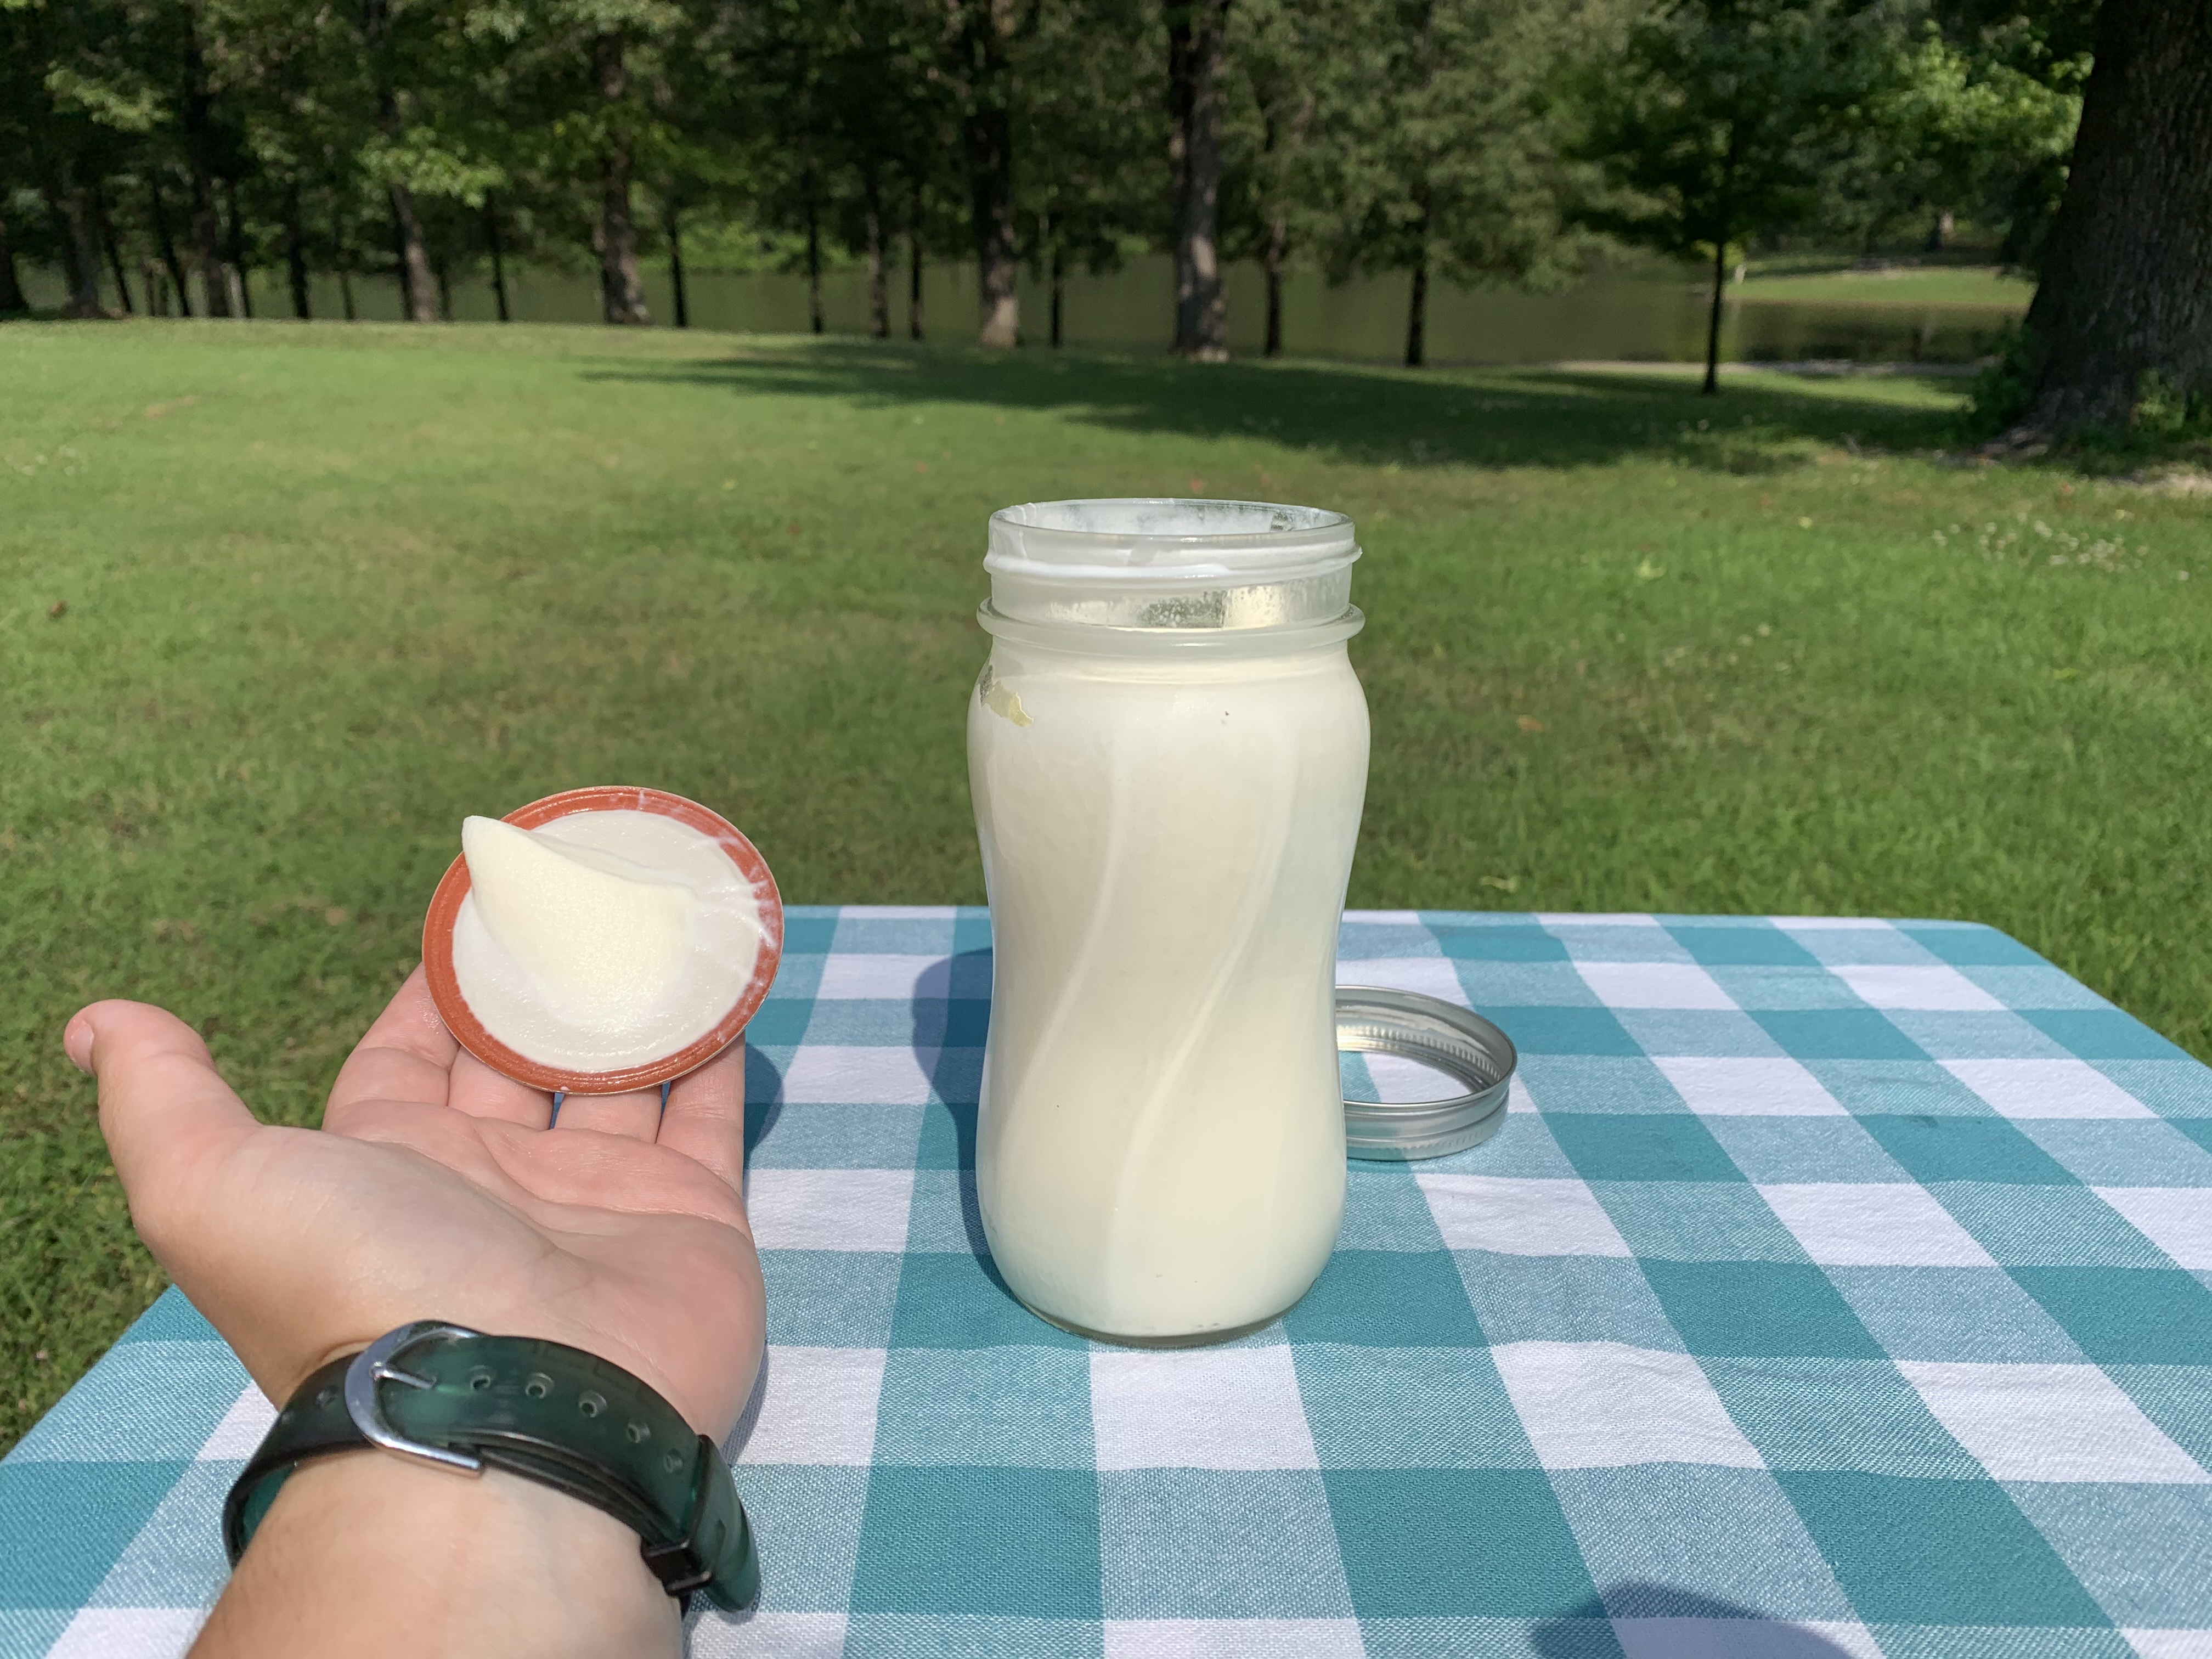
(1834, 1287)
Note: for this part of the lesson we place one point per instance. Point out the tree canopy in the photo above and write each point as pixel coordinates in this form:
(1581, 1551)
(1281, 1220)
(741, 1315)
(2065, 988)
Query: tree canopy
(156, 151)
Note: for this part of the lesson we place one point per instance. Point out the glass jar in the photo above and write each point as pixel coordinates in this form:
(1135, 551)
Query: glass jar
(1168, 751)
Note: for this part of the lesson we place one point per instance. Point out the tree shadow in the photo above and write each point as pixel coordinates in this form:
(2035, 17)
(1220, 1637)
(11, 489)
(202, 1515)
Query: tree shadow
(1674, 1623)
(1346, 413)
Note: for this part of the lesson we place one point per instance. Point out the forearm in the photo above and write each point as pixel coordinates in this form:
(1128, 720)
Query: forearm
(369, 1554)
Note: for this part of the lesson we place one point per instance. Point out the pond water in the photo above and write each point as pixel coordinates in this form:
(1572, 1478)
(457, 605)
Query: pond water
(1648, 316)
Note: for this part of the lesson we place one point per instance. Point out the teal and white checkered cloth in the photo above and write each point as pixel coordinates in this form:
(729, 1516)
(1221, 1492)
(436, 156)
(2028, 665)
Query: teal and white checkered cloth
(1834, 1288)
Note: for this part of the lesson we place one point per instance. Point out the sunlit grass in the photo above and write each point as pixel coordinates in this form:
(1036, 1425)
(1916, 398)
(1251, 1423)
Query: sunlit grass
(327, 589)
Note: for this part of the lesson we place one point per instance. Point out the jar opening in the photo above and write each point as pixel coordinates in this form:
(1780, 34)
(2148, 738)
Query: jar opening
(1161, 562)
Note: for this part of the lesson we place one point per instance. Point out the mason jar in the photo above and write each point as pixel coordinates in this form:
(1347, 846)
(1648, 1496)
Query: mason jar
(1168, 751)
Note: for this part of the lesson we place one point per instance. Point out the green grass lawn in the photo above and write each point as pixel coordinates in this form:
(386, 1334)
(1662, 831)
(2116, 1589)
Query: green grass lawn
(329, 588)
(1930, 285)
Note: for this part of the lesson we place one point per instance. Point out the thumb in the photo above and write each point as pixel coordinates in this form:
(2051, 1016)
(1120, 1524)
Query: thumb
(163, 1107)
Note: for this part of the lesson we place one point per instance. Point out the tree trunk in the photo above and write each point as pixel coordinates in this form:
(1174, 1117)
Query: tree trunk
(671, 226)
(913, 270)
(879, 293)
(1417, 308)
(418, 296)
(80, 248)
(2124, 292)
(1712, 385)
(1195, 92)
(168, 246)
(200, 159)
(342, 256)
(499, 262)
(112, 249)
(621, 294)
(1059, 296)
(813, 218)
(11, 291)
(157, 287)
(241, 293)
(1278, 242)
(443, 272)
(296, 253)
(989, 132)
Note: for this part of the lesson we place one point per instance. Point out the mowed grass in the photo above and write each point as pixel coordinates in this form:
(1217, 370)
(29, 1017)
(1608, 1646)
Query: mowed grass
(329, 588)
(1930, 285)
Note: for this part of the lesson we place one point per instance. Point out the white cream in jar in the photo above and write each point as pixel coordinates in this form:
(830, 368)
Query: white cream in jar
(1168, 815)
(602, 939)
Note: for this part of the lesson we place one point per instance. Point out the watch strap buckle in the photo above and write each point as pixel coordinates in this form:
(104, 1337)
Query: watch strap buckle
(378, 1364)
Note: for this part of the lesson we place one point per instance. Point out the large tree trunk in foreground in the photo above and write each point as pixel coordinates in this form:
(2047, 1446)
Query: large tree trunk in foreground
(2127, 273)
(621, 294)
(1195, 95)
(988, 135)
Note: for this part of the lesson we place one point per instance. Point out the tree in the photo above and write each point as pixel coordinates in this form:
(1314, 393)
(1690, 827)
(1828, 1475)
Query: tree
(1444, 155)
(1279, 57)
(1720, 119)
(2124, 294)
(1091, 142)
(1195, 29)
(983, 48)
(1972, 114)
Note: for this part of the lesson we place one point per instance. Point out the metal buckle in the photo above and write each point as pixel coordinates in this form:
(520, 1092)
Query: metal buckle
(374, 1364)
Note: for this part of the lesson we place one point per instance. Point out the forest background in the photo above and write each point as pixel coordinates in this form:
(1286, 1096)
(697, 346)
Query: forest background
(159, 151)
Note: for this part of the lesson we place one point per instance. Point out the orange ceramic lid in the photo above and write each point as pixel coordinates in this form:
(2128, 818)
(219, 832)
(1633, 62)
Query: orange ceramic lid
(469, 1031)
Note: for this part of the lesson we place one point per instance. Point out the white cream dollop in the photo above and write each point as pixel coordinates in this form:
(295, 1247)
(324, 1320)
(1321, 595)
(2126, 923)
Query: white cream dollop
(604, 933)
(602, 939)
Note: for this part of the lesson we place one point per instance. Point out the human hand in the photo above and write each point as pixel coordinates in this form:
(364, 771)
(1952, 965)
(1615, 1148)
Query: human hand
(435, 1190)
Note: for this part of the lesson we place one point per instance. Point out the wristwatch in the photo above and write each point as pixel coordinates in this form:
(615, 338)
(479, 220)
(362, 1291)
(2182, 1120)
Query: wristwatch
(448, 1395)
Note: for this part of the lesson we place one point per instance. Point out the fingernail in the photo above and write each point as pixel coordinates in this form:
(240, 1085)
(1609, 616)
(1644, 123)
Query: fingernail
(77, 1043)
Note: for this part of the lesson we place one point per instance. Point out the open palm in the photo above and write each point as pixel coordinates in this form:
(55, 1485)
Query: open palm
(436, 1190)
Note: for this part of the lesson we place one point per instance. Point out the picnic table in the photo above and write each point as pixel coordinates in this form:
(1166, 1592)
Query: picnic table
(1834, 1287)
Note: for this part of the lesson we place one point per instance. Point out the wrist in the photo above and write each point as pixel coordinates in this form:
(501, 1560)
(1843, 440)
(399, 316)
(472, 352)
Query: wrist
(363, 1548)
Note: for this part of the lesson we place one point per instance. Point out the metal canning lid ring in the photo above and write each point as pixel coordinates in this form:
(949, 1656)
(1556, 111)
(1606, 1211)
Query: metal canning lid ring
(1436, 1034)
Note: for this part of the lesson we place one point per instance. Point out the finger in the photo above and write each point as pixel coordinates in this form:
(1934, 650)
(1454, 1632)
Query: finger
(636, 1115)
(480, 1091)
(163, 1107)
(706, 1118)
(406, 1054)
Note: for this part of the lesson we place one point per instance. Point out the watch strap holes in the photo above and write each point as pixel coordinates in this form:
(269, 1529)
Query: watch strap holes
(482, 1378)
(591, 1404)
(638, 1434)
(538, 1386)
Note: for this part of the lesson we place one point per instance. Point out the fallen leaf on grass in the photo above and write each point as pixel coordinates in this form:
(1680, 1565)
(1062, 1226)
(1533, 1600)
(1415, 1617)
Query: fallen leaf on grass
(57, 610)
(1530, 723)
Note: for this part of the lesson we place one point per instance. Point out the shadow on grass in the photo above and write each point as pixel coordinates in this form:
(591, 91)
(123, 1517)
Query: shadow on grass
(1495, 417)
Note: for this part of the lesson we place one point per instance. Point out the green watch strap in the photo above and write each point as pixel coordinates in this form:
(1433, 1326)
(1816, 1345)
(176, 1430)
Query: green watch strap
(551, 1413)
